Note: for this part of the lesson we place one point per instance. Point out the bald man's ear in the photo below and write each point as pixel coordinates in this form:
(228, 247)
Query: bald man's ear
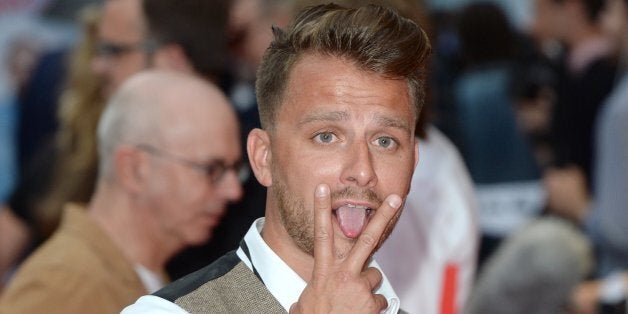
(172, 57)
(260, 156)
(130, 168)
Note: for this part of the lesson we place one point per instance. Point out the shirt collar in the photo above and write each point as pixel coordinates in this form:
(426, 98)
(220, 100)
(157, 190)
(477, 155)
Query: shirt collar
(283, 282)
(152, 281)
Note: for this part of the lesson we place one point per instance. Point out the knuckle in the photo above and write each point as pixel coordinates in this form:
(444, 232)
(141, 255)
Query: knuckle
(372, 278)
(343, 276)
(368, 239)
(375, 304)
(382, 303)
(321, 204)
(321, 234)
(367, 285)
(376, 273)
(389, 213)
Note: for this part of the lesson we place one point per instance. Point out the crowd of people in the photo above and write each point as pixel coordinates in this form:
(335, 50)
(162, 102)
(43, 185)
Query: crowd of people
(237, 156)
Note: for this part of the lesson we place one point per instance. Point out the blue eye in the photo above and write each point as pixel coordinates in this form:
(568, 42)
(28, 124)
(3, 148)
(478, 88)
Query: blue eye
(385, 142)
(325, 137)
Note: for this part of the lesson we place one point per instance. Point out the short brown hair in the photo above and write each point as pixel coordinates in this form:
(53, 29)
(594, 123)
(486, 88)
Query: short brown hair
(375, 38)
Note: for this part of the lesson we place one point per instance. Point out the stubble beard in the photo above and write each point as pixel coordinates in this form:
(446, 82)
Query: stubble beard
(299, 223)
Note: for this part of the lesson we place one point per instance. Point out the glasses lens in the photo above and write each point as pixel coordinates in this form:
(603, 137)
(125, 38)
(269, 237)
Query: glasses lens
(113, 50)
(218, 169)
(243, 172)
(215, 170)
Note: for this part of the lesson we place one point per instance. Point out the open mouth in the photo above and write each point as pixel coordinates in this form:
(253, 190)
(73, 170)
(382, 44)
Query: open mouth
(352, 218)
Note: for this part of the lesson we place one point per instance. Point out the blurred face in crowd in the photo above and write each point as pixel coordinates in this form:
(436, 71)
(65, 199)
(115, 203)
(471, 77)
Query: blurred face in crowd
(120, 37)
(350, 129)
(192, 174)
(250, 23)
(615, 21)
(549, 20)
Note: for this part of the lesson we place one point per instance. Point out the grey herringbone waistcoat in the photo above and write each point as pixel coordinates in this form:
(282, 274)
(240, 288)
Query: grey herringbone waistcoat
(225, 286)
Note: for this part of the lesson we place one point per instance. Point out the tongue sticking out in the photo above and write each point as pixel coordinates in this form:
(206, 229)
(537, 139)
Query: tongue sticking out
(351, 220)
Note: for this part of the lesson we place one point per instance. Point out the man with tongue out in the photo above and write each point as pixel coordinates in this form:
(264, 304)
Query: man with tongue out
(339, 95)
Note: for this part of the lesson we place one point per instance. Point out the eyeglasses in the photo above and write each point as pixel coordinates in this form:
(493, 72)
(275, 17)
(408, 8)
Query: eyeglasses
(108, 49)
(215, 169)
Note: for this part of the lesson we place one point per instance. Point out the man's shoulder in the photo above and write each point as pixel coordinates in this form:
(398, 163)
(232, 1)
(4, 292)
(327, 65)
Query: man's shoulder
(195, 280)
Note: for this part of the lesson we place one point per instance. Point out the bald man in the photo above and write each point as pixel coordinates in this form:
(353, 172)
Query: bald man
(169, 162)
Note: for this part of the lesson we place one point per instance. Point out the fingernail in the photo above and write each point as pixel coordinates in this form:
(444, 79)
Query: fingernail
(322, 190)
(394, 201)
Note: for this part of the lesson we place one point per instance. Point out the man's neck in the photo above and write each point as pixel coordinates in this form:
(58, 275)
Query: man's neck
(278, 239)
(129, 230)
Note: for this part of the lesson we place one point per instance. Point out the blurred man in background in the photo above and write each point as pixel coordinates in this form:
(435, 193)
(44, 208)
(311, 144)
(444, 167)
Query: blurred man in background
(162, 186)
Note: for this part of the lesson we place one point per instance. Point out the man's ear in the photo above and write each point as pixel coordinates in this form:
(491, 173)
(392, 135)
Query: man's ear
(130, 167)
(260, 156)
(172, 57)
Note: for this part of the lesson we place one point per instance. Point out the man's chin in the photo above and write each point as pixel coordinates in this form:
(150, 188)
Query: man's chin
(200, 237)
(343, 246)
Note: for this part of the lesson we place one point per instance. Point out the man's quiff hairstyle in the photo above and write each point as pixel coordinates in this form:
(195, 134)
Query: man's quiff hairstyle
(376, 39)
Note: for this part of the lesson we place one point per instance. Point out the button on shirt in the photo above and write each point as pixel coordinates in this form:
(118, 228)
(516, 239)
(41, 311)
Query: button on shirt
(282, 282)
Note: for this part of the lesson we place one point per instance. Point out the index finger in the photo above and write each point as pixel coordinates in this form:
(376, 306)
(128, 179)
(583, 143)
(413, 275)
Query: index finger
(323, 230)
(370, 237)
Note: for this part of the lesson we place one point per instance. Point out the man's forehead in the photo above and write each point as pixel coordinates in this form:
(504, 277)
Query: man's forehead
(331, 82)
(210, 128)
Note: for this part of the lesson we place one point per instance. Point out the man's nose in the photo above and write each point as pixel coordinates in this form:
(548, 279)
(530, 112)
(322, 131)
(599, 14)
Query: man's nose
(358, 168)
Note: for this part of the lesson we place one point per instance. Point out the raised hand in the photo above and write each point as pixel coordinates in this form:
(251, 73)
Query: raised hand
(344, 285)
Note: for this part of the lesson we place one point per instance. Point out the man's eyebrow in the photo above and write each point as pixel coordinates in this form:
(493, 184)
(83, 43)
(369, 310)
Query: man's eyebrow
(324, 116)
(389, 122)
